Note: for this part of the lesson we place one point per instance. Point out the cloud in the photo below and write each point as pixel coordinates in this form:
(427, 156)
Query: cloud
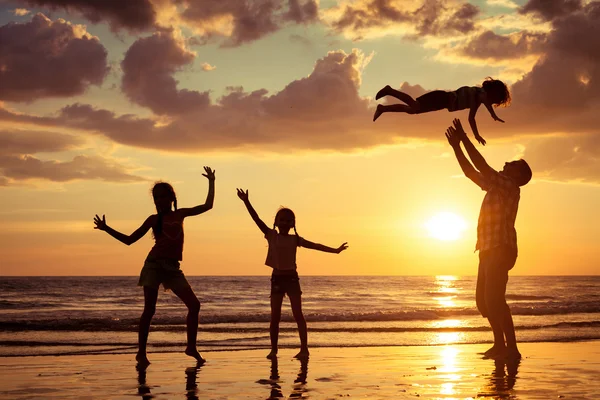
(134, 15)
(148, 78)
(236, 22)
(18, 163)
(364, 18)
(503, 3)
(207, 67)
(20, 12)
(60, 60)
(549, 10)
(566, 158)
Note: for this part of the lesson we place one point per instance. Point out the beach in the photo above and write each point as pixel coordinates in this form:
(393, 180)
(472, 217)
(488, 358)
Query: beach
(547, 371)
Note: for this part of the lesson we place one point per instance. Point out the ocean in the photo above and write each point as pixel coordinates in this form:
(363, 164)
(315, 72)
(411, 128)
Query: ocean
(95, 315)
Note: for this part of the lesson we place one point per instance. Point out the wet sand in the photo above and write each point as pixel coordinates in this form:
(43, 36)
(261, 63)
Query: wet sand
(547, 371)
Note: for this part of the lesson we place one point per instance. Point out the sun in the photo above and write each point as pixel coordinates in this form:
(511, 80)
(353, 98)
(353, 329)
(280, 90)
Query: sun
(446, 226)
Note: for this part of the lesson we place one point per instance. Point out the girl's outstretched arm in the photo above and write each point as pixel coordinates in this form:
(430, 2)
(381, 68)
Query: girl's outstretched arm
(492, 112)
(473, 124)
(244, 197)
(316, 246)
(210, 197)
(127, 239)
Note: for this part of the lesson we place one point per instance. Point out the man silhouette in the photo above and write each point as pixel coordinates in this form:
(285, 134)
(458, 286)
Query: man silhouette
(496, 236)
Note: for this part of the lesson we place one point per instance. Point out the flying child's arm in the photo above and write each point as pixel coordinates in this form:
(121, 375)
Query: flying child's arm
(244, 197)
(210, 197)
(126, 239)
(473, 123)
(492, 112)
(316, 246)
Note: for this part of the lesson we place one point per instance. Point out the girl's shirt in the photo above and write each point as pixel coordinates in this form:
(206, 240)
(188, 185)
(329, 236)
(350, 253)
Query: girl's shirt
(282, 250)
(465, 97)
(169, 244)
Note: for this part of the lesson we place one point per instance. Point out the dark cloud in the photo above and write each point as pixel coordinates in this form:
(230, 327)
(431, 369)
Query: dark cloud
(42, 58)
(431, 18)
(249, 20)
(133, 15)
(548, 10)
(148, 70)
(491, 46)
(18, 162)
(21, 168)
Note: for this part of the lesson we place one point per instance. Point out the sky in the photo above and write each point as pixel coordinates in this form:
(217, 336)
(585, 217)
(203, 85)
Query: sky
(100, 100)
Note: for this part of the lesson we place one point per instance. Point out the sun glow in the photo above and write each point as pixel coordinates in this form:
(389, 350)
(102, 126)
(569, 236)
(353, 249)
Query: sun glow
(446, 226)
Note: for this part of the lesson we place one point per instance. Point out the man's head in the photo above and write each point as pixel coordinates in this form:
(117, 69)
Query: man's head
(519, 171)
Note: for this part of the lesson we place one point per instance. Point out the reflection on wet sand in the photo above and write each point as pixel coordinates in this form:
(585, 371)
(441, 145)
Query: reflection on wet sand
(298, 390)
(191, 383)
(502, 380)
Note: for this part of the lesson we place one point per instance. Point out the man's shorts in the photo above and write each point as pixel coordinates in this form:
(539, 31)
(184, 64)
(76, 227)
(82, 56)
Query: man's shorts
(286, 284)
(165, 271)
(492, 277)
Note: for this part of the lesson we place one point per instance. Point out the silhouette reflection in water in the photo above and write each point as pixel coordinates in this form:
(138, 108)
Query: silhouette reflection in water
(191, 382)
(502, 380)
(298, 389)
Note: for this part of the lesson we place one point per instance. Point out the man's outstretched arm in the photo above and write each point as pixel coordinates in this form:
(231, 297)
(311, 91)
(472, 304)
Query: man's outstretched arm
(454, 138)
(476, 157)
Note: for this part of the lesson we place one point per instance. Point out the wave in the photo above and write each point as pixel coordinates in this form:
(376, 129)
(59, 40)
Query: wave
(99, 325)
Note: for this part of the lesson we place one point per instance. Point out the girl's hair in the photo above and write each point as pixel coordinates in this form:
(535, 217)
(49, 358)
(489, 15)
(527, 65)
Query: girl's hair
(157, 229)
(284, 210)
(498, 91)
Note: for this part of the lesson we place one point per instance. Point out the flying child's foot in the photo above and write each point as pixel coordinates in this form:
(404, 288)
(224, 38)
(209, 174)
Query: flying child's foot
(142, 360)
(378, 112)
(383, 92)
(272, 355)
(195, 354)
(302, 355)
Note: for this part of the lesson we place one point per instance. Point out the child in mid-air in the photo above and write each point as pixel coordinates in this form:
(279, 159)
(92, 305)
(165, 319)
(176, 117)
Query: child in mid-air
(162, 263)
(491, 92)
(281, 256)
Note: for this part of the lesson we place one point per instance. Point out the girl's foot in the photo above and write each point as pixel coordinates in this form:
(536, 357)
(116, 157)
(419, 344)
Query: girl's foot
(383, 92)
(513, 354)
(378, 112)
(142, 360)
(194, 354)
(493, 350)
(302, 355)
(272, 355)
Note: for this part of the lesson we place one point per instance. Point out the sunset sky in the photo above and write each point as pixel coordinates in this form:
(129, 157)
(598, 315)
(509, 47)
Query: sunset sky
(98, 102)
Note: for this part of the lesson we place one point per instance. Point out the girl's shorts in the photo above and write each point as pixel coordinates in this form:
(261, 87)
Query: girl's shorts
(161, 270)
(286, 284)
(434, 101)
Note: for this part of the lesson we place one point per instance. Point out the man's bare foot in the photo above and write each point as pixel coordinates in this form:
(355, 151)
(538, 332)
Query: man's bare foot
(378, 112)
(142, 360)
(272, 355)
(194, 353)
(302, 355)
(383, 92)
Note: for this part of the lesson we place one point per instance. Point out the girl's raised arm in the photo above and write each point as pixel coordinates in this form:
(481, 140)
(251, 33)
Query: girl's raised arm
(244, 197)
(127, 239)
(316, 246)
(210, 197)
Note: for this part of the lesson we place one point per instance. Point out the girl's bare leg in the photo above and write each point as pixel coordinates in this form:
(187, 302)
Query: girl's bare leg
(296, 303)
(150, 296)
(187, 295)
(392, 108)
(276, 300)
(388, 91)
